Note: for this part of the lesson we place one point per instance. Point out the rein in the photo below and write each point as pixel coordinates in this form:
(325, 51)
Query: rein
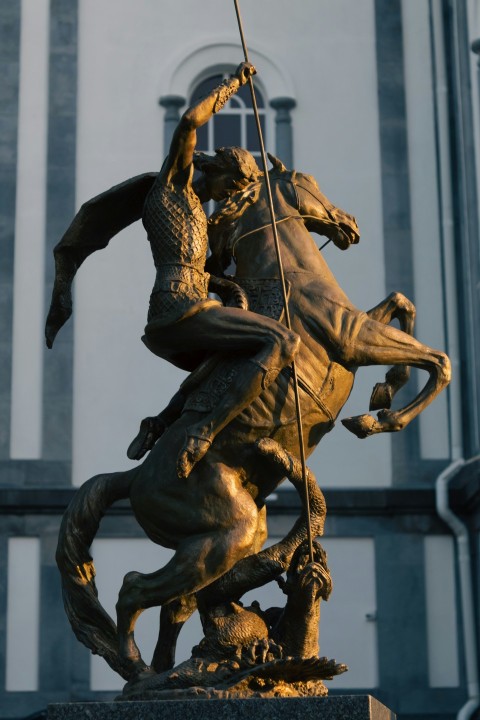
(259, 229)
(277, 222)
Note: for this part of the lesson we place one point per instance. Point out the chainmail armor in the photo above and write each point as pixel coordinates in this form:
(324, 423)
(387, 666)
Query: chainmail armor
(177, 230)
(225, 92)
(265, 295)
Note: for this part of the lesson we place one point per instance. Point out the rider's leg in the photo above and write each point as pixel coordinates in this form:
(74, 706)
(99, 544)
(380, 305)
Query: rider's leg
(395, 306)
(377, 344)
(267, 346)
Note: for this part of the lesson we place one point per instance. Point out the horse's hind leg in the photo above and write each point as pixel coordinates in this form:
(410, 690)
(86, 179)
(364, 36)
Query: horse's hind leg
(172, 618)
(176, 613)
(198, 561)
(395, 306)
(377, 344)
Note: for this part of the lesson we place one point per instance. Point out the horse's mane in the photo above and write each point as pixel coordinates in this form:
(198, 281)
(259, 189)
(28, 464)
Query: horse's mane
(223, 223)
(233, 207)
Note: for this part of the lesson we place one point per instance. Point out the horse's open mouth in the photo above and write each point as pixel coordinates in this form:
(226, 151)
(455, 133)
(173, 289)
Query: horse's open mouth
(344, 237)
(340, 238)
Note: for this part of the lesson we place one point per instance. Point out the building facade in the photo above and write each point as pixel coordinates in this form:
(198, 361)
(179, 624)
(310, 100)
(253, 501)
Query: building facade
(380, 101)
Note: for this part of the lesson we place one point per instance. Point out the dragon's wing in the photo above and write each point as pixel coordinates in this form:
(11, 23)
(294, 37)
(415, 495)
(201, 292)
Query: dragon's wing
(97, 221)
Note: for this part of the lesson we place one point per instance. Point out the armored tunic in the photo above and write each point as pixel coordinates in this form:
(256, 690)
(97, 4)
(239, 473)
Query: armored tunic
(177, 230)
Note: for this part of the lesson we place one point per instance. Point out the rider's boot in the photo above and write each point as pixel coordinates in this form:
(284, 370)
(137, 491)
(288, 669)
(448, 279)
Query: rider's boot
(253, 377)
(193, 450)
(152, 428)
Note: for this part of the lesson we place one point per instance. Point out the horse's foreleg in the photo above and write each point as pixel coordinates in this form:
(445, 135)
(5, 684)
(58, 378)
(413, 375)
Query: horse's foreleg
(263, 567)
(377, 344)
(395, 306)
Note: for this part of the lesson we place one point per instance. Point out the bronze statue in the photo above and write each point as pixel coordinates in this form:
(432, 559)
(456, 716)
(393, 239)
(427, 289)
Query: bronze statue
(181, 315)
(250, 652)
(228, 432)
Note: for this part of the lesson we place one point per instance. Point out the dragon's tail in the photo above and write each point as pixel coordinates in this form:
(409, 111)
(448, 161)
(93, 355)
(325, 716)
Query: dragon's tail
(90, 622)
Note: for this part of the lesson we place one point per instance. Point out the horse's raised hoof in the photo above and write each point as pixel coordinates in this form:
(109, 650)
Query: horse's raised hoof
(381, 397)
(388, 421)
(361, 425)
(191, 453)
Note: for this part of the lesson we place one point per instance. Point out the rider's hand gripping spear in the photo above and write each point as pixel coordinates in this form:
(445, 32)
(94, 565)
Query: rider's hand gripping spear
(282, 280)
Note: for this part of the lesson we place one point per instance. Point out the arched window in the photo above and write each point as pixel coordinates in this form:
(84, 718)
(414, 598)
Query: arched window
(235, 124)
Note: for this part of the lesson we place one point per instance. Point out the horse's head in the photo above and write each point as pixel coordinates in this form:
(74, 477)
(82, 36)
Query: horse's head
(344, 229)
(336, 224)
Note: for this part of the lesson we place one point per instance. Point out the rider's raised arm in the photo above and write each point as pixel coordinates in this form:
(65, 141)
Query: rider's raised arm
(178, 167)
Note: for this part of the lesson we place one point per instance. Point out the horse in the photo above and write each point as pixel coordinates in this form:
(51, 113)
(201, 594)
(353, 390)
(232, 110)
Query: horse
(214, 519)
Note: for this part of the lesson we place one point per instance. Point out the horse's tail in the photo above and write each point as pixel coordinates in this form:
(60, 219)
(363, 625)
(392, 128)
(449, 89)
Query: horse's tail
(90, 622)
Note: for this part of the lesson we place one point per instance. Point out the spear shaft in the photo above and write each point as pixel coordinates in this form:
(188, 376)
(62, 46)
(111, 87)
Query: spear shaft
(282, 281)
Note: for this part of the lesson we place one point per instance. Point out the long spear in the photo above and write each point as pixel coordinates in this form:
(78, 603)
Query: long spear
(282, 280)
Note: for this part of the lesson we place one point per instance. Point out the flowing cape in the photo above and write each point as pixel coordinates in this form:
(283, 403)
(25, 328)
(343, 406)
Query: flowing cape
(92, 228)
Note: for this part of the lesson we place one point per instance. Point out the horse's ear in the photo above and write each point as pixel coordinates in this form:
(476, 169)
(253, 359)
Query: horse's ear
(277, 164)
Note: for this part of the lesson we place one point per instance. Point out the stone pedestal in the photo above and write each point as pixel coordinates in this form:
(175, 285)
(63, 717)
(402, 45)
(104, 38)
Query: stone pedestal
(347, 707)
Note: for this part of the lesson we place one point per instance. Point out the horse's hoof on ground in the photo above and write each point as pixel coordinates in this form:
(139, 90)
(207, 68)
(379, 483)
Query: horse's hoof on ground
(361, 425)
(381, 397)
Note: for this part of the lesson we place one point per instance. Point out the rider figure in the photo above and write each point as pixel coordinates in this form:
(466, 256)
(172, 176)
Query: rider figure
(181, 316)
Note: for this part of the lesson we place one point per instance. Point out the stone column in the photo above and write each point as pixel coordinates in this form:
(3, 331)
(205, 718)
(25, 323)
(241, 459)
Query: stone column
(172, 105)
(283, 126)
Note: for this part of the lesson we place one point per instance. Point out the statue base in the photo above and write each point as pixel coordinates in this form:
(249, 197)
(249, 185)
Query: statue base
(342, 707)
